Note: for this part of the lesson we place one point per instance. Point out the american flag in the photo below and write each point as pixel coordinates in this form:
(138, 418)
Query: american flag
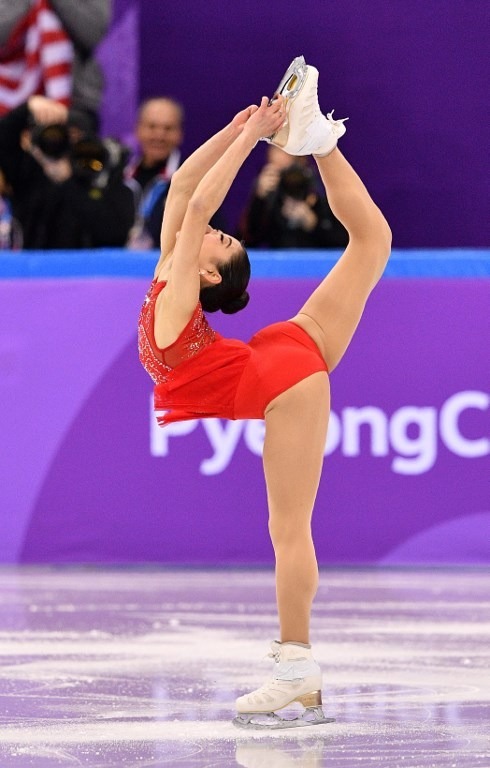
(37, 59)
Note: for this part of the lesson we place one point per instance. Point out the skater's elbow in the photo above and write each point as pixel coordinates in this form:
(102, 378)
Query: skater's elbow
(199, 208)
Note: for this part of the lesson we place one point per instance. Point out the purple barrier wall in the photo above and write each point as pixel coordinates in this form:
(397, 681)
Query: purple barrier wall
(86, 476)
(409, 75)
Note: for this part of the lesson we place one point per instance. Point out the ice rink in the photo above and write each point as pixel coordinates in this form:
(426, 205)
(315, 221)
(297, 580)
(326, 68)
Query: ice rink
(134, 667)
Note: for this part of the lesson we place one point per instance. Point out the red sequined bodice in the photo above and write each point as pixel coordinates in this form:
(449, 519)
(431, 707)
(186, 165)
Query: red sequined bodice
(159, 363)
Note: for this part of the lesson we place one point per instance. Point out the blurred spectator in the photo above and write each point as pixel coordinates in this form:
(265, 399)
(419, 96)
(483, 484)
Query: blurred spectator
(285, 209)
(10, 233)
(67, 186)
(47, 47)
(159, 132)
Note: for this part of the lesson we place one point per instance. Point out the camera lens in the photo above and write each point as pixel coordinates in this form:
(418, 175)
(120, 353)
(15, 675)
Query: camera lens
(52, 140)
(296, 182)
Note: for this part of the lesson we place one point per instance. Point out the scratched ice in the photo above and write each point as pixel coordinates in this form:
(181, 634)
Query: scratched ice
(141, 668)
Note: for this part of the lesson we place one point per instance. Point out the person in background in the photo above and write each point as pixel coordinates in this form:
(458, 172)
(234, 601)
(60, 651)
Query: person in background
(79, 27)
(66, 184)
(10, 232)
(159, 132)
(286, 210)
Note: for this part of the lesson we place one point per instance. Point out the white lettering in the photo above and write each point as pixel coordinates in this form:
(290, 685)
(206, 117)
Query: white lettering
(223, 440)
(352, 418)
(449, 427)
(423, 447)
(411, 433)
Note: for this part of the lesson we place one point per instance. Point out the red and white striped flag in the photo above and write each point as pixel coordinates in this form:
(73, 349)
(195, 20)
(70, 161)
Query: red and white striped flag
(37, 59)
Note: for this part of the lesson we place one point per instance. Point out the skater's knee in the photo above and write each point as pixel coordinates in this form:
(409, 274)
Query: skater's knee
(384, 237)
(290, 532)
(377, 238)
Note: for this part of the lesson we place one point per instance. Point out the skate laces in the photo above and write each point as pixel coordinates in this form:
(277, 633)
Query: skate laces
(274, 653)
(335, 123)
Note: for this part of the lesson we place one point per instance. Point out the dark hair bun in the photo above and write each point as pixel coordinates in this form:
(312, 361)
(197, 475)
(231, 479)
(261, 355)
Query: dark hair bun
(236, 304)
(229, 295)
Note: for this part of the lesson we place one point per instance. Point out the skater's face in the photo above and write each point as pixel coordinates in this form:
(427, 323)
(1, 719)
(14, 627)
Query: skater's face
(217, 248)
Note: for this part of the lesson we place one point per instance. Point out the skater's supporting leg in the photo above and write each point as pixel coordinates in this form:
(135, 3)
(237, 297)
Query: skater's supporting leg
(333, 311)
(296, 426)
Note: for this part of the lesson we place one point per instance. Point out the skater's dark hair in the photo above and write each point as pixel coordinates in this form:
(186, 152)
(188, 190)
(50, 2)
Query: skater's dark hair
(230, 295)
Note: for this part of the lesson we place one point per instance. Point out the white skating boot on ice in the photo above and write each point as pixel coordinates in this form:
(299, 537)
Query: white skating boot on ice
(306, 130)
(296, 678)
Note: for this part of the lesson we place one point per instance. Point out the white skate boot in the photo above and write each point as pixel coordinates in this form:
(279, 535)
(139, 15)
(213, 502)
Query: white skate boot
(306, 130)
(297, 678)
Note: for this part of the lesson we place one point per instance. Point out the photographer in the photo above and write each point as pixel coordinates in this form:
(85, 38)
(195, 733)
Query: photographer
(285, 210)
(67, 185)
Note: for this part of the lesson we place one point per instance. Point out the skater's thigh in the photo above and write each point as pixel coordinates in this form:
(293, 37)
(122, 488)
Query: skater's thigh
(333, 311)
(295, 434)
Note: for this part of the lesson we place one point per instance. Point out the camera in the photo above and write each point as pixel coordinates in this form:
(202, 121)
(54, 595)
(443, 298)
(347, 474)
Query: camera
(52, 140)
(89, 157)
(96, 161)
(296, 181)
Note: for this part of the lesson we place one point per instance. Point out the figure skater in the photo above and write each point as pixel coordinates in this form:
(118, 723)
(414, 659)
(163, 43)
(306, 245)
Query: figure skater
(281, 375)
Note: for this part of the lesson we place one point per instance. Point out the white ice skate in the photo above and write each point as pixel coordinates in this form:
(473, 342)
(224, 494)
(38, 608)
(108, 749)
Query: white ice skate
(306, 130)
(297, 678)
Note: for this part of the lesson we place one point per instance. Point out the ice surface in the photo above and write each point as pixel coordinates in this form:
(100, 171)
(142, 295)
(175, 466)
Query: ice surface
(111, 668)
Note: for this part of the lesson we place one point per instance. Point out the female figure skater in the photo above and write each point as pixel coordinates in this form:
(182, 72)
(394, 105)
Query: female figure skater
(281, 375)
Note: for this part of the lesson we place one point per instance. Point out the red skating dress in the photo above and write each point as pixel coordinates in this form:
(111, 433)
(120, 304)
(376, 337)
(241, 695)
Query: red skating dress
(202, 374)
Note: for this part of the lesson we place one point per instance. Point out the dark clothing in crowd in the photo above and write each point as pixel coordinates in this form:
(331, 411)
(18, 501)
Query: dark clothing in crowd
(144, 174)
(265, 226)
(151, 185)
(266, 223)
(80, 212)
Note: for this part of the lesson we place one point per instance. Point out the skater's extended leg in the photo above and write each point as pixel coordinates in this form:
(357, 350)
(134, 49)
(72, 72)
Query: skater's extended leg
(333, 311)
(296, 426)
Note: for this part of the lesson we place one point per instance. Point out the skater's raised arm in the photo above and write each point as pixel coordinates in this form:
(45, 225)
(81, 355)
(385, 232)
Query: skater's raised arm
(214, 185)
(184, 278)
(188, 176)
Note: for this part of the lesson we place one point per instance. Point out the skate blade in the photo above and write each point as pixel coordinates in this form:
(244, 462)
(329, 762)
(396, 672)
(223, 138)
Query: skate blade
(270, 721)
(290, 85)
(293, 79)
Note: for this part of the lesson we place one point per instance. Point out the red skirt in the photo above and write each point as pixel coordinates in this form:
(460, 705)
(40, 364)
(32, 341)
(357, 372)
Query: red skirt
(230, 379)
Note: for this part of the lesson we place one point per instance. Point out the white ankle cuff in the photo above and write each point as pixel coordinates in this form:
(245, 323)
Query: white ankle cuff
(296, 670)
(294, 642)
